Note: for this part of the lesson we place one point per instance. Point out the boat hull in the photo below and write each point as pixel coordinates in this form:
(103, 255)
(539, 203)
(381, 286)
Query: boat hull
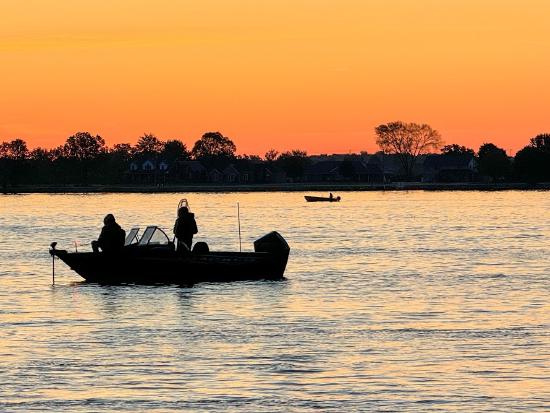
(166, 266)
(321, 199)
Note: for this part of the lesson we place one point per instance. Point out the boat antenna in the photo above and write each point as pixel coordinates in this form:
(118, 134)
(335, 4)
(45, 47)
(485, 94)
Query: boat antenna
(239, 221)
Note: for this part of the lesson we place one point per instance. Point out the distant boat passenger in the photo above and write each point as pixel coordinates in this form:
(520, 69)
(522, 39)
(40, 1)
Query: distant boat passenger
(184, 229)
(111, 238)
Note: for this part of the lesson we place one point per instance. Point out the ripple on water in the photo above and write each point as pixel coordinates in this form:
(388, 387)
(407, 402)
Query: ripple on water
(413, 301)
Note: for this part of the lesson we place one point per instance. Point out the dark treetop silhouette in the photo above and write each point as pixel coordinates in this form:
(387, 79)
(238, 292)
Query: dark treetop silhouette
(407, 141)
(85, 159)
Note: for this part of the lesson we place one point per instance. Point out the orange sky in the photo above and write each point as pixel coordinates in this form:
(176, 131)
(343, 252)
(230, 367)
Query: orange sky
(285, 74)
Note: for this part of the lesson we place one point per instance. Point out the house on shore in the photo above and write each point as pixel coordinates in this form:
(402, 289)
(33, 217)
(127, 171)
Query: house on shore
(347, 169)
(450, 168)
(189, 171)
(240, 171)
(148, 171)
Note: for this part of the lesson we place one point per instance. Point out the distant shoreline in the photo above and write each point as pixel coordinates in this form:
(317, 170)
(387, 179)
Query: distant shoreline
(286, 187)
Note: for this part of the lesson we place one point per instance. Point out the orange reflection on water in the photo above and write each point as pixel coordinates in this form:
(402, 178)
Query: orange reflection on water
(392, 299)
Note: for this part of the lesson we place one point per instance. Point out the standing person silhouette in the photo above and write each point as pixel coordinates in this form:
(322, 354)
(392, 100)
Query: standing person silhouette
(184, 229)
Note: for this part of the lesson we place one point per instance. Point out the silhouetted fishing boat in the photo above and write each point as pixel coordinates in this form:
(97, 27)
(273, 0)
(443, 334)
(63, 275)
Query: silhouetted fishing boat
(310, 198)
(153, 260)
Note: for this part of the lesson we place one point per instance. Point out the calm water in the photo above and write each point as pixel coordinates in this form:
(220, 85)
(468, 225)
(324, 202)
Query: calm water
(418, 301)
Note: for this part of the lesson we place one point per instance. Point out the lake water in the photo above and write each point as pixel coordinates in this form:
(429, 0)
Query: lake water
(395, 301)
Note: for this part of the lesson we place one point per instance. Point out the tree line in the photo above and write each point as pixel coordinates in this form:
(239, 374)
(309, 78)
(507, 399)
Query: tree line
(408, 141)
(84, 158)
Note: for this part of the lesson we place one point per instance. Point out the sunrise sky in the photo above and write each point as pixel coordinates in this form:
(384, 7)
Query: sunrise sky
(286, 74)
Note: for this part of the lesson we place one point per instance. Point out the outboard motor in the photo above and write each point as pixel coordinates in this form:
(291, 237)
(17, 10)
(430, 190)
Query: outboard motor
(273, 243)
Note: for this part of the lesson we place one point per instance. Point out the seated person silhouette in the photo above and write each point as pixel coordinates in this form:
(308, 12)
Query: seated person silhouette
(111, 238)
(184, 229)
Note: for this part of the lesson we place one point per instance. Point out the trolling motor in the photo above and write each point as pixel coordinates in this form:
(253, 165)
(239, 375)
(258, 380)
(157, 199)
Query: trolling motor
(52, 253)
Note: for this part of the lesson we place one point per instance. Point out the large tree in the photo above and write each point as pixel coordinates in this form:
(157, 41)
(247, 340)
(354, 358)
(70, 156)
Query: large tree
(214, 145)
(124, 150)
(148, 145)
(541, 141)
(40, 154)
(16, 149)
(174, 149)
(532, 163)
(493, 162)
(84, 148)
(294, 163)
(407, 141)
(116, 162)
(13, 160)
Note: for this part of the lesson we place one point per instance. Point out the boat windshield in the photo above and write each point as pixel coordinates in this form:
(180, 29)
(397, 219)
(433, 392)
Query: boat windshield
(153, 235)
(132, 237)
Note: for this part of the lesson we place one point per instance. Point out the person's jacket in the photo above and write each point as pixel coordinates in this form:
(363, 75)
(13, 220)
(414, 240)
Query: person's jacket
(185, 226)
(111, 238)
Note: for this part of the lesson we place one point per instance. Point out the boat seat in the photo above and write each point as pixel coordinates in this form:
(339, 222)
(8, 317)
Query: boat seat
(201, 248)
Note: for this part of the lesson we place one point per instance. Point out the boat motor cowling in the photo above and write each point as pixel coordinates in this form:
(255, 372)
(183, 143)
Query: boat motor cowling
(273, 243)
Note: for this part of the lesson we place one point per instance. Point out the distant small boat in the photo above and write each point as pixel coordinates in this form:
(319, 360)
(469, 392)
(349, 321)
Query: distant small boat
(310, 198)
